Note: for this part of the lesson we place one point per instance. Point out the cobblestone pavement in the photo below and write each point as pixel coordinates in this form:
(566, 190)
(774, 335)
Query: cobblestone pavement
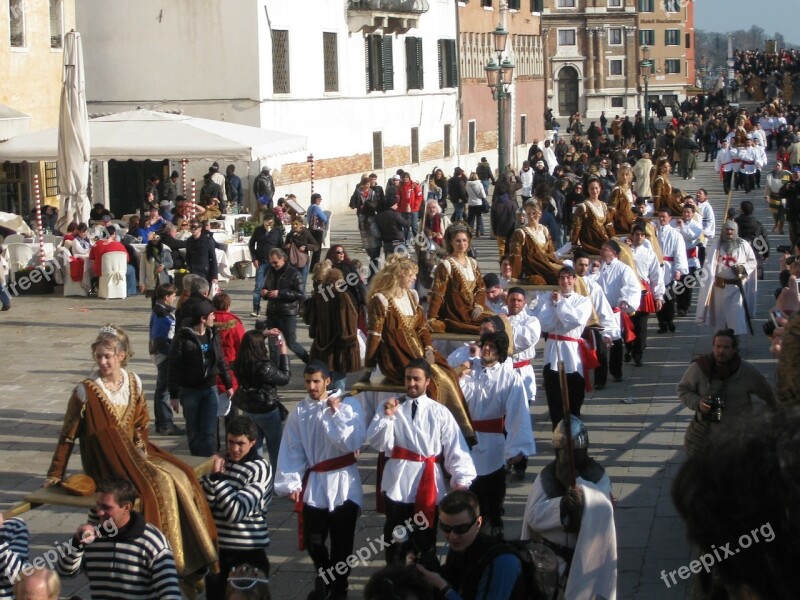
(46, 351)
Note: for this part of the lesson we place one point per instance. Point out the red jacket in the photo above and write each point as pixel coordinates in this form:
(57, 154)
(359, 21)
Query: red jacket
(410, 197)
(231, 331)
(102, 247)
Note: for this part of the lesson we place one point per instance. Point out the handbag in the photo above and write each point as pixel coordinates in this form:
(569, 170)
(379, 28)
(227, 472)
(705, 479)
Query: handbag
(315, 223)
(297, 258)
(255, 400)
(486, 206)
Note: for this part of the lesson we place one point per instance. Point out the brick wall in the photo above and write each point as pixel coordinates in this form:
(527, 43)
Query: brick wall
(432, 151)
(323, 169)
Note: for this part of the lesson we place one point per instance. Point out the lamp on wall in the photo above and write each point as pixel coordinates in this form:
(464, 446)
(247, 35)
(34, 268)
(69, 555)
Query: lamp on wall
(646, 68)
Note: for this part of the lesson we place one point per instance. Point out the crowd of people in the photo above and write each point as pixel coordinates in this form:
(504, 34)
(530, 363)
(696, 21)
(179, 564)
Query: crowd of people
(593, 238)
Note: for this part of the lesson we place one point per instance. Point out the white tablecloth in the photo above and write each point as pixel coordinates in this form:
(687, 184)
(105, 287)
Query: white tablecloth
(49, 250)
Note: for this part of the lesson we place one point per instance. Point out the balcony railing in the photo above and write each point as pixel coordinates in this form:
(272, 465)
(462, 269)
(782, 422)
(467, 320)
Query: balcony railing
(390, 6)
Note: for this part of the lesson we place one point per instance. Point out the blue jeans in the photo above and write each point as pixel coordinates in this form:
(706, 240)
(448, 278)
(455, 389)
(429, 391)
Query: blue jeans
(411, 232)
(458, 211)
(485, 183)
(200, 411)
(261, 275)
(161, 407)
(5, 299)
(287, 324)
(130, 280)
(270, 429)
(304, 274)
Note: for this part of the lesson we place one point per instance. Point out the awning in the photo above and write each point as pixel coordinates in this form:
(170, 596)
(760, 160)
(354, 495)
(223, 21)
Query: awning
(12, 122)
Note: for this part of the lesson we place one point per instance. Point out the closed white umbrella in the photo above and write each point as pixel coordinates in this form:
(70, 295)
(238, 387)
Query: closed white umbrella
(73, 137)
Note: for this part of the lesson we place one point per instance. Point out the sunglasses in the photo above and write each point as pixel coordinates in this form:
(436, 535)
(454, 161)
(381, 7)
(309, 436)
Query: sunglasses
(339, 252)
(457, 529)
(195, 227)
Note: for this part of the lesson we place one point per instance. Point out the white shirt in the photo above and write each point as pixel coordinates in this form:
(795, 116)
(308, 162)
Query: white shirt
(527, 331)
(620, 284)
(608, 320)
(709, 221)
(649, 270)
(566, 318)
(674, 250)
(433, 431)
(313, 434)
(724, 161)
(526, 178)
(492, 393)
(690, 232)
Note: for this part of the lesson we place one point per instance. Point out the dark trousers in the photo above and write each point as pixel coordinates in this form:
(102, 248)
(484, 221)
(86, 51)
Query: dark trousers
(552, 389)
(684, 300)
(287, 324)
(637, 346)
(319, 235)
(701, 255)
(405, 539)
(727, 176)
(340, 524)
(615, 359)
(667, 313)
(228, 559)
(161, 406)
(595, 338)
(491, 491)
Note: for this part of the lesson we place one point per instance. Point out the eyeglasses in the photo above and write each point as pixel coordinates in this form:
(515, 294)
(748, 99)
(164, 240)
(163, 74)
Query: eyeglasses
(457, 529)
(184, 224)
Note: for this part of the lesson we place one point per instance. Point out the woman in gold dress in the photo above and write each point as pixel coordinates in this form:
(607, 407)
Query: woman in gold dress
(107, 412)
(398, 334)
(591, 223)
(532, 250)
(620, 202)
(458, 295)
(661, 188)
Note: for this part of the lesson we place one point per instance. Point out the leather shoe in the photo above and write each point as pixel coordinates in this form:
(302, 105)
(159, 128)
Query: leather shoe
(671, 327)
(637, 360)
(662, 329)
(617, 379)
(6, 307)
(599, 386)
(627, 357)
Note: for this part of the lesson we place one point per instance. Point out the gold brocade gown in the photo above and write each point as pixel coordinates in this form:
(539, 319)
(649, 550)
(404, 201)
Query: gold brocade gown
(591, 226)
(454, 295)
(533, 256)
(113, 439)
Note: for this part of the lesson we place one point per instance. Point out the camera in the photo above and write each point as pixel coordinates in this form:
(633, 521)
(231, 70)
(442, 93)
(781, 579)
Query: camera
(782, 249)
(717, 404)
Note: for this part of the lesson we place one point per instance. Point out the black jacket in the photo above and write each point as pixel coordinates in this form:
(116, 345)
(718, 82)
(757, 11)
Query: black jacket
(503, 217)
(187, 368)
(200, 257)
(264, 376)
(457, 190)
(263, 241)
(289, 284)
(392, 226)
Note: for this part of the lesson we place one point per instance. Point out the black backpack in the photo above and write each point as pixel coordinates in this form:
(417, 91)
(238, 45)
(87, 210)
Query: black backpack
(539, 574)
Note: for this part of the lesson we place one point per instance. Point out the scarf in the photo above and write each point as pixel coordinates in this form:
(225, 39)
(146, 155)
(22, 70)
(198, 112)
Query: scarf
(711, 368)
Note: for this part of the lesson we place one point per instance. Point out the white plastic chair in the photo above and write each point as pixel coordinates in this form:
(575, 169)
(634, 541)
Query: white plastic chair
(113, 275)
(19, 257)
(50, 238)
(15, 238)
(73, 288)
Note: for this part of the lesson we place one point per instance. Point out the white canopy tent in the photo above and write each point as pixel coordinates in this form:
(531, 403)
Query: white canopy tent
(150, 135)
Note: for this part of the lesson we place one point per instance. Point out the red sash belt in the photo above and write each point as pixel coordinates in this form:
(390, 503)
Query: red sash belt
(669, 258)
(331, 464)
(490, 425)
(425, 500)
(691, 252)
(648, 303)
(588, 355)
(628, 334)
(522, 363)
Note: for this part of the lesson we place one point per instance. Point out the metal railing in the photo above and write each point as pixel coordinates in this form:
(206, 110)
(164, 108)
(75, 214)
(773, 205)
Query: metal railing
(400, 6)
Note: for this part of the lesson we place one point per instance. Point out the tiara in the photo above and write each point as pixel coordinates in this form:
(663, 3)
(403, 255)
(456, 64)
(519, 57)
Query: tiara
(108, 329)
(246, 583)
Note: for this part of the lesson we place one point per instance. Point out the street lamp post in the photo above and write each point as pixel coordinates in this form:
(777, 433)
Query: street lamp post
(646, 66)
(499, 76)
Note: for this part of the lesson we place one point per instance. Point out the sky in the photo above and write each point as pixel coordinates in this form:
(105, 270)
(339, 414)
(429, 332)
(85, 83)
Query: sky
(729, 15)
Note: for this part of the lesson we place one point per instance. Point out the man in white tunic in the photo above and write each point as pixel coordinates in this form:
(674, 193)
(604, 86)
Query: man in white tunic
(499, 411)
(691, 229)
(576, 522)
(602, 331)
(706, 213)
(414, 431)
(727, 299)
(673, 248)
(725, 164)
(317, 469)
(623, 290)
(652, 278)
(563, 315)
(527, 331)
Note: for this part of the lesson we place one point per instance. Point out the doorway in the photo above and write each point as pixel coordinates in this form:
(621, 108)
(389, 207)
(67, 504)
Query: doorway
(568, 91)
(126, 181)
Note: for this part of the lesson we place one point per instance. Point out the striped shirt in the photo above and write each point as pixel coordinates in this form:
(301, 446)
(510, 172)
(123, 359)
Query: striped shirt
(14, 538)
(135, 564)
(239, 497)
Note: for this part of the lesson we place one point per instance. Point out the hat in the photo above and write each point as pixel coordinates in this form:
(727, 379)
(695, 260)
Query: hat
(174, 175)
(265, 168)
(201, 309)
(491, 280)
(796, 169)
(106, 219)
(396, 177)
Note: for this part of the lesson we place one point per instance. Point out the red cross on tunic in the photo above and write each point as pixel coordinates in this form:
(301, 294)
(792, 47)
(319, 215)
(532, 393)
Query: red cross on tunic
(728, 260)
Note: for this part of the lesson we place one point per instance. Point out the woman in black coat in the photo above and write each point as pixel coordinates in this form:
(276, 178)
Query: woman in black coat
(257, 396)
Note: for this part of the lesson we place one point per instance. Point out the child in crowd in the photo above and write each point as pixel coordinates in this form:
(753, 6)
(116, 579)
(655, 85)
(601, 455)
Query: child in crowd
(162, 330)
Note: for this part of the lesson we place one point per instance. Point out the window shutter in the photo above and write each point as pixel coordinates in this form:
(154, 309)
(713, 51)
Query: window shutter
(367, 62)
(414, 80)
(439, 52)
(420, 69)
(388, 70)
(453, 65)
